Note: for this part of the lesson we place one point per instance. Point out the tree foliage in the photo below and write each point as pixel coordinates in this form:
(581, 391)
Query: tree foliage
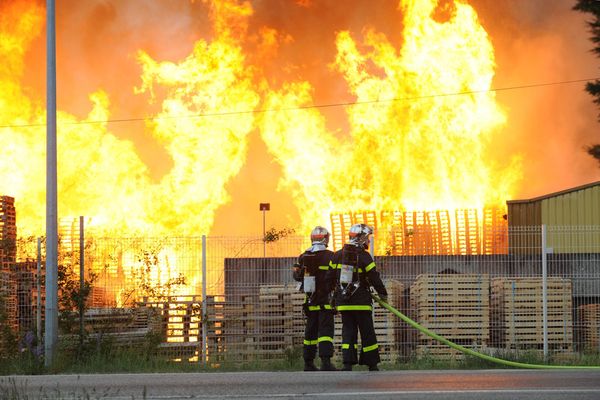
(273, 234)
(592, 9)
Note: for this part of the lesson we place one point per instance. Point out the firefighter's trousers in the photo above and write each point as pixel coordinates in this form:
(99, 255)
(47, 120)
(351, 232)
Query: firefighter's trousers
(318, 332)
(362, 320)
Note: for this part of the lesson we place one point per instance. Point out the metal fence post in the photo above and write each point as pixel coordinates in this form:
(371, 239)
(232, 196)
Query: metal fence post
(81, 279)
(204, 308)
(545, 291)
(38, 314)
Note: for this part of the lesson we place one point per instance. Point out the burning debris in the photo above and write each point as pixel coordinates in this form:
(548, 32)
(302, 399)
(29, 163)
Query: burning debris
(469, 232)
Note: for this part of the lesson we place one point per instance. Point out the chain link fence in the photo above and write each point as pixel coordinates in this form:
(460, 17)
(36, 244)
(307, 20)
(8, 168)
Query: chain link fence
(233, 300)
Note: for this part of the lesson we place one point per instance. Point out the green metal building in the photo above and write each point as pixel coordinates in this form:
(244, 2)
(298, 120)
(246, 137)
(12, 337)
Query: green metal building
(572, 218)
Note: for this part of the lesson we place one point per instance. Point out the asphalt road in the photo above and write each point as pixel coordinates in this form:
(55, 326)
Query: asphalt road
(430, 385)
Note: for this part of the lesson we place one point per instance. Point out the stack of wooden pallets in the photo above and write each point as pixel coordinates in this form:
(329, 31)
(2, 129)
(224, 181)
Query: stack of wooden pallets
(517, 313)
(118, 328)
(495, 231)
(468, 240)
(8, 252)
(418, 232)
(181, 318)
(8, 228)
(231, 328)
(8, 292)
(455, 306)
(25, 275)
(589, 324)
(393, 234)
(340, 224)
(279, 319)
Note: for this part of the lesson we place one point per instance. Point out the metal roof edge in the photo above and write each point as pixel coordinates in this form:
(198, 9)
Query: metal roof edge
(559, 193)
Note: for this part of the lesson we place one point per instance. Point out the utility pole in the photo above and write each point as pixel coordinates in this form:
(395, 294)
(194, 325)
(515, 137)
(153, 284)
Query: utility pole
(51, 323)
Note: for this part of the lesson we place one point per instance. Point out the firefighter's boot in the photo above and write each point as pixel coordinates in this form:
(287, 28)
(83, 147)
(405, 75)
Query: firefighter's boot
(326, 364)
(309, 365)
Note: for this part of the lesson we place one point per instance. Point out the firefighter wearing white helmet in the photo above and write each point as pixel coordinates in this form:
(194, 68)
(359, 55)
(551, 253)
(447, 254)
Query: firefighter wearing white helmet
(355, 273)
(312, 269)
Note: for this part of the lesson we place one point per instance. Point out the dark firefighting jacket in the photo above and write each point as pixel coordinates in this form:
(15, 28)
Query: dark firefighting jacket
(364, 276)
(316, 264)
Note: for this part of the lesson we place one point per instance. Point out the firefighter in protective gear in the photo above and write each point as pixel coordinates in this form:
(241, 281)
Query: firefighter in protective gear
(312, 269)
(355, 273)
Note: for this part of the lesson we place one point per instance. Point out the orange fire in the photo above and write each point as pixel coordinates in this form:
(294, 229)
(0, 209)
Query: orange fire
(409, 146)
(420, 135)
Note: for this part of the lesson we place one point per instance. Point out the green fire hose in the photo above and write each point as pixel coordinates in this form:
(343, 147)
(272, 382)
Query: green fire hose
(470, 351)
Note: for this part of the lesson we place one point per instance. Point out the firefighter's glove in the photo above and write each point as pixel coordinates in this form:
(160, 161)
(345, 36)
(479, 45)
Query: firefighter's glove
(298, 272)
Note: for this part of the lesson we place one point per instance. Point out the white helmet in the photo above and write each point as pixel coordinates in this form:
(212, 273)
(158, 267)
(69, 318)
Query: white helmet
(319, 235)
(359, 235)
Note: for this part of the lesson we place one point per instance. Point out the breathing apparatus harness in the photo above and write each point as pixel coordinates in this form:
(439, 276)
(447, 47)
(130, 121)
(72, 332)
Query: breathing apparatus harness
(309, 283)
(349, 281)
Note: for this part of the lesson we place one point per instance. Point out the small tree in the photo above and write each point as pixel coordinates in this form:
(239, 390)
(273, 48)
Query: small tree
(144, 277)
(592, 8)
(273, 234)
(72, 295)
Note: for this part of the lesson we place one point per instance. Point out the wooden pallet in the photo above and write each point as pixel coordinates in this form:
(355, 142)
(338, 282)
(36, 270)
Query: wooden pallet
(423, 233)
(267, 325)
(340, 226)
(278, 329)
(495, 231)
(589, 325)
(468, 240)
(8, 227)
(517, 312)
(181, 316)
(8, 290)
(455, 306)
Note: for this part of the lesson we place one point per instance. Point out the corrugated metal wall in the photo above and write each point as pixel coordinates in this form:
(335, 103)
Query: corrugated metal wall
(579, 207)
(524, 213)
(576, 208)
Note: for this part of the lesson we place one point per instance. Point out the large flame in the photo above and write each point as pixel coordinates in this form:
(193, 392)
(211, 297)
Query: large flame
(101, 175)
(419, 130)
(410, 145)
(412, 141)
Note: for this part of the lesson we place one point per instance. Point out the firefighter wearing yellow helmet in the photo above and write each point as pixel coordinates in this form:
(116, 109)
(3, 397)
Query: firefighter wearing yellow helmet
(355, 273)
(312, 269)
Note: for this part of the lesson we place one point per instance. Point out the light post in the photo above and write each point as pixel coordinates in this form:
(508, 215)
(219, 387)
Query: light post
(51, 322)
(264, 207)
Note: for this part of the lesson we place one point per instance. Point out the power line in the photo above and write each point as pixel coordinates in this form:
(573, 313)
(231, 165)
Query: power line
(311, 106)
